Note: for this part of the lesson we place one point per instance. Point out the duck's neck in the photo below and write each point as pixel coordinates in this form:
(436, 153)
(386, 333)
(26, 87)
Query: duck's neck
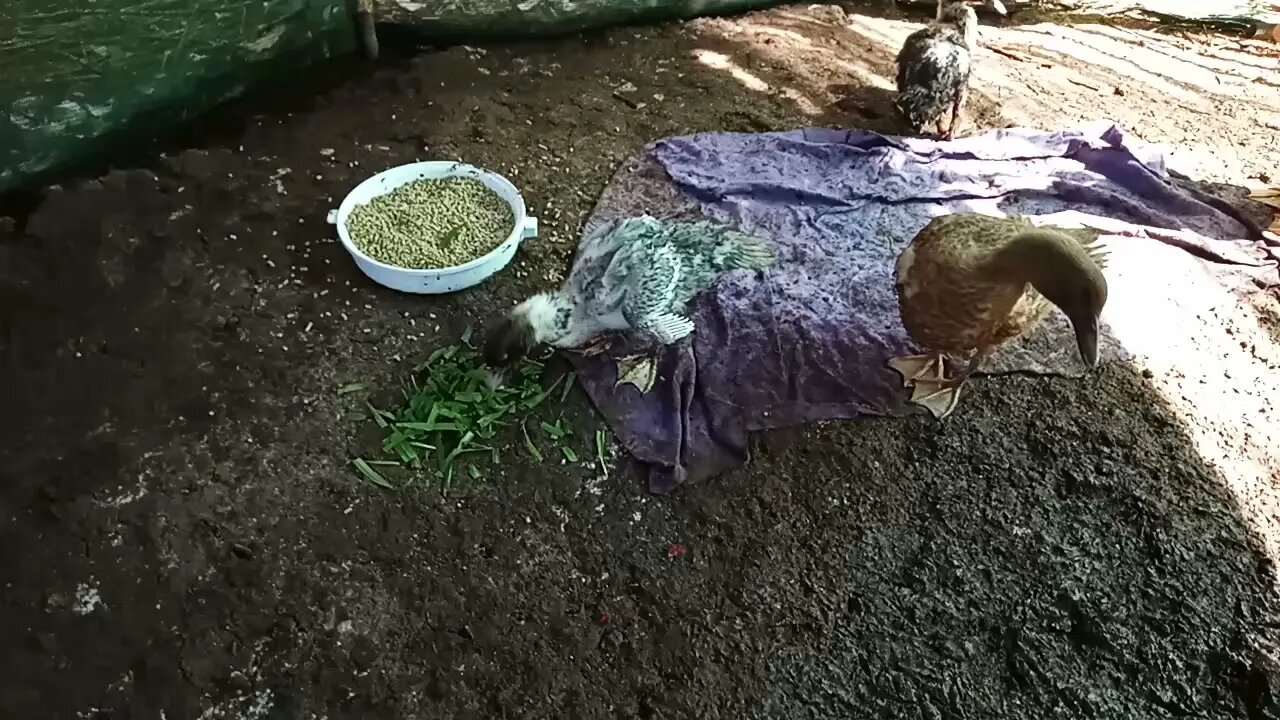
(550, 314)
(1065, 273)
(1052, 262)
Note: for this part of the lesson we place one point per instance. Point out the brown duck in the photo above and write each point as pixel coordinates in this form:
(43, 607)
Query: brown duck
(968, 283)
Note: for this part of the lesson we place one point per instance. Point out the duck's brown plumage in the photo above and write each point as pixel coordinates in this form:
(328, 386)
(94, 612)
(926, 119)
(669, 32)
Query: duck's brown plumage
(947, 304)
(967, 283)
(951, 298)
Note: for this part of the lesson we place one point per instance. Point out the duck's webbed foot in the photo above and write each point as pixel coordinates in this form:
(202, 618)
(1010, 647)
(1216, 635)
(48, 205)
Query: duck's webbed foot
(931, 388)
(922, 368)
(939, 398)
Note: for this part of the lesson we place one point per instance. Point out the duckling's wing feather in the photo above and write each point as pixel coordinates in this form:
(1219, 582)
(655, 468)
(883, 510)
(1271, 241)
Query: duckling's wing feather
(670, 328)
(657, 266)
(595, 269)
(651, 285)
(708, 249)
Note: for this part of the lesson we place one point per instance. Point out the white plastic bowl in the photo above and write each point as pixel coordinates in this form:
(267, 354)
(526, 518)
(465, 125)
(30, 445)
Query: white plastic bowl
(440, 280)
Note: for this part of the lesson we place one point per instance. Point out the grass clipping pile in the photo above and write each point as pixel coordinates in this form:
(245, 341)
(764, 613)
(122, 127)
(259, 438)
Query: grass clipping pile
(430, 224)
(450, 422)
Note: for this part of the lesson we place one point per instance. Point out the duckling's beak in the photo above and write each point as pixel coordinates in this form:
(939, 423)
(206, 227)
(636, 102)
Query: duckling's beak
(493, 379)
(1087, 340)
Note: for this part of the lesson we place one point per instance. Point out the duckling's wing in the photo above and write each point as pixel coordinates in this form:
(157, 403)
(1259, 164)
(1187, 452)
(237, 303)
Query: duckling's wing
(592, 265)
(720, 247)
(651, 285)
(912, 51)
(931, 59)
(707, 249)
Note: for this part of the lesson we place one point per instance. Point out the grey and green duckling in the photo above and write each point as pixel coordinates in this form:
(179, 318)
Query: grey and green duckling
(634, 274)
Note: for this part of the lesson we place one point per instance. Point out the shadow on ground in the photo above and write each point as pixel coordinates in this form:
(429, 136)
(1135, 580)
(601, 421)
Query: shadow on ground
(186, 536)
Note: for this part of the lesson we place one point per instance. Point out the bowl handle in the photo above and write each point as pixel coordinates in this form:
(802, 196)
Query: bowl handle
(332, 217)
(530, 229)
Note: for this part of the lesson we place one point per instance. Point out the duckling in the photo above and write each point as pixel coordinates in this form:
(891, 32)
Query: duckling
(933, 68)
(995, 7)
(968, 283)
(635, 274)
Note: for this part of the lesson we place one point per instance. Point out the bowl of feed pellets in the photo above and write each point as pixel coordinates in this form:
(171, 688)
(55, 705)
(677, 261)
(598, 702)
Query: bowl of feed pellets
(432, 227)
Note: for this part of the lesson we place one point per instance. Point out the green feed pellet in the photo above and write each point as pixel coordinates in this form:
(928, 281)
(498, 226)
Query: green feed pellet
(429, 224)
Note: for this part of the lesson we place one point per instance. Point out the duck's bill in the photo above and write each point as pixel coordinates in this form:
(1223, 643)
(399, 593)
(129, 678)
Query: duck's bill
(1087, 342)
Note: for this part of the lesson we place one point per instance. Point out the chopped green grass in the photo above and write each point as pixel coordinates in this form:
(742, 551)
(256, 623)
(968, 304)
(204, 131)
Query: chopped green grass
(602, 452)
(529, 444)
(556, 432)
(373, 476)
(450, 417)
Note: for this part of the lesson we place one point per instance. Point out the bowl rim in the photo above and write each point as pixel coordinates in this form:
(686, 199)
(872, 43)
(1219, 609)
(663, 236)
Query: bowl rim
(451, 169)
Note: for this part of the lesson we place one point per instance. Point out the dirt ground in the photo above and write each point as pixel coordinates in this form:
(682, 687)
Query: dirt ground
(184, 537)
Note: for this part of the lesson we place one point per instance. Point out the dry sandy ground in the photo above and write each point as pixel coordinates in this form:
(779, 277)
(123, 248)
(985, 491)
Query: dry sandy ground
(184, 537)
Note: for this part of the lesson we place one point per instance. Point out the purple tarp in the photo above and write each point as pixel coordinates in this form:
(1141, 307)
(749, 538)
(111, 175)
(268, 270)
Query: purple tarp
(808, 340)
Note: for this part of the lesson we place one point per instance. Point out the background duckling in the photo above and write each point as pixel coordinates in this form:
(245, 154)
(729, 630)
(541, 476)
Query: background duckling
(933, 69)
(994, 7)
(968, 283)
(634, 274)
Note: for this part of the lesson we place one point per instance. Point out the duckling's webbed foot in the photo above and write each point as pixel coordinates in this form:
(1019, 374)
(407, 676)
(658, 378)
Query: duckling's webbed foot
(639, 370)
(669, 328)
(596, 346)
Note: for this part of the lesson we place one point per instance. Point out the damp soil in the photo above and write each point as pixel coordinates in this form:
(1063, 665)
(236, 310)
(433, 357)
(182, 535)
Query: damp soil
(184, 536)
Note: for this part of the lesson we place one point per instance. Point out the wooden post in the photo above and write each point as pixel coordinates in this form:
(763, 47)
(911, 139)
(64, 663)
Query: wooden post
(368, 32)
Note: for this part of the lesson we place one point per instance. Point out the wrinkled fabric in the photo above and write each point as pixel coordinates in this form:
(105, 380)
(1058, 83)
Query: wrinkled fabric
(809, 339)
